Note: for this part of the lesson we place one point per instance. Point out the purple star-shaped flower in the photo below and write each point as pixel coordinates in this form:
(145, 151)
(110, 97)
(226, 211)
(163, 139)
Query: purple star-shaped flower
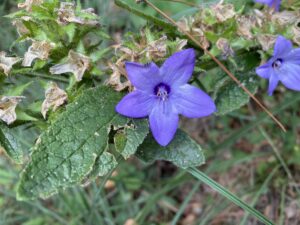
(163, 93)
(271, 3)
(284, 66)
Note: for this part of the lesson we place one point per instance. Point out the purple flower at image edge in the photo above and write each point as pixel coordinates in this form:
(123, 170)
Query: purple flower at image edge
(163, 93)
(284, 66)
(271, 3)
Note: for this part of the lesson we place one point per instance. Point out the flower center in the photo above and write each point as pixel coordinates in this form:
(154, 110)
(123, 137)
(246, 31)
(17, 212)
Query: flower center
(277, 63)
(162, 91)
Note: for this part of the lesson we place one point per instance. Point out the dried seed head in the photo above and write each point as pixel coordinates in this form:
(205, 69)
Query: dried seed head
(223, 12)
(8, 106)
(38, 50)
(54, 97)
(266, 41)
(285, 18)
(6, 63)
(76, 63)
(296, 33)
(27, 5)
(245, 25)
(67, 14)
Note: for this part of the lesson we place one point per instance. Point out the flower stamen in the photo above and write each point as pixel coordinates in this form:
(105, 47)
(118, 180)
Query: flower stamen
(162, 91)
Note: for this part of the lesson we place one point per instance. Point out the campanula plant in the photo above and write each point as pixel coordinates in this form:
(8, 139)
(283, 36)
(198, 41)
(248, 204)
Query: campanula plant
(284, 66)
(163, 93)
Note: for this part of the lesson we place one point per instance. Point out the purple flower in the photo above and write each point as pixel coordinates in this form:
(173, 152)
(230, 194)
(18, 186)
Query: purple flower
(271, 3)
(284, 66)
(163, 93)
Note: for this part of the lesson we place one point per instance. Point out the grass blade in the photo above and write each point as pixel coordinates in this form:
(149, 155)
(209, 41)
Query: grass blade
(227, 194)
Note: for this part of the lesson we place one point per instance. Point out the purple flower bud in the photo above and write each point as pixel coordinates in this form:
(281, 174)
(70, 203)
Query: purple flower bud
(163, 93)
(271, 3)
(284, 66)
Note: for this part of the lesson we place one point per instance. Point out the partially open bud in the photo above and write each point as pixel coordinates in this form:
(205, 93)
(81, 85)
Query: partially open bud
(38, 50)
(54, 97)
(6, 63)
(27, 5)
(76, 63)
(8, 106)
(67, 14)
(224, 45)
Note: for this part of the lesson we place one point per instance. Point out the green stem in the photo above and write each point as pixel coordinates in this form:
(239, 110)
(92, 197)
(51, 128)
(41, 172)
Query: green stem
(227, 194)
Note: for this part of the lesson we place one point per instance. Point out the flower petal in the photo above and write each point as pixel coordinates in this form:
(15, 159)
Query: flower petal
(290, 76)
(265, 70)
(293, 56)
(163, 122)
(273, 82)
(193, 102)
(179, 68)
(136, 104)
(143, 77)
(282, 47)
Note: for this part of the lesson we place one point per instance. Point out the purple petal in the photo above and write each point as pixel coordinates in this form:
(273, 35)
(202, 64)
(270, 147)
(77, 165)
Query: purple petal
(178, 69)
(290, 76)
(273, 82)
(163, 122)
(271, 3)
(143, 77)
(193, 102)
(137, 104)
(293, 56)
(282, 47)
(265, 70)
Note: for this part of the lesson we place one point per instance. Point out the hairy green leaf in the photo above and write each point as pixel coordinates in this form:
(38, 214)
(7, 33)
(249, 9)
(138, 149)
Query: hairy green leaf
(183, 151)
(67, 151)
(128, 139)
(10, 144)
(229, 96)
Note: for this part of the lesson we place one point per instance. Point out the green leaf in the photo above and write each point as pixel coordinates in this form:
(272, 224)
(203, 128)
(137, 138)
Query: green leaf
(10, 144)
(229, 96)
(183, 151)
(128, 139)
(67, 151)
(17, 90)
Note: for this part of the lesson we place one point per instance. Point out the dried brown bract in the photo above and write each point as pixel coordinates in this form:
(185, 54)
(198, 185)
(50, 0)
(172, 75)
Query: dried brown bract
(67, 14)
(54, 97)
(27, 5)
(8, 106)
(76, 63)
(266, 41)
(285, 18)
(245, 25)
(195, 28)
(6, 63)
(21, 28)
(38, 50)
(223, 12)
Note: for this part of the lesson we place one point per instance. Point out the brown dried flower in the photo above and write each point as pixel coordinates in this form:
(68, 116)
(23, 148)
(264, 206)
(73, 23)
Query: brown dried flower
(27, 5)
(6, 63)
(54, 97)
(76, 63)
(223, 12)
(8, 106)
(267, 41)
(224, 45)
(38, 50)
(67, 14)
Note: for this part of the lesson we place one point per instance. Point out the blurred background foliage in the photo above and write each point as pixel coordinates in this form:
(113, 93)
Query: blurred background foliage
(242, 152)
